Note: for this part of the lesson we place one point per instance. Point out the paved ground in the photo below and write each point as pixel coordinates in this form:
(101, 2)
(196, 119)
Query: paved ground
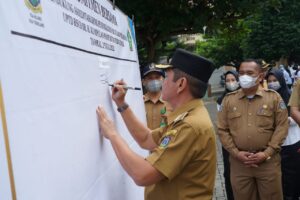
(219, 193)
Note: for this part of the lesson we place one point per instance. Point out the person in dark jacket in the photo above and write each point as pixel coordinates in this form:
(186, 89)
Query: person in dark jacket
(231, 84)
(290, 156)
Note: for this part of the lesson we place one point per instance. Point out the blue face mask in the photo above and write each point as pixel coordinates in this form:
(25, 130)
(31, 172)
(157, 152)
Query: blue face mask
(274, 85)
(154, 86)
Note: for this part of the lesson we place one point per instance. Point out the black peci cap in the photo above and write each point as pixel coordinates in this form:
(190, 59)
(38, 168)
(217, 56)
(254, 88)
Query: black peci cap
(194, 65)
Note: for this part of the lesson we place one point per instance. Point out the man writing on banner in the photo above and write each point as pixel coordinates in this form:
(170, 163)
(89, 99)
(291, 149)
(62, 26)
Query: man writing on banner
(182, 162)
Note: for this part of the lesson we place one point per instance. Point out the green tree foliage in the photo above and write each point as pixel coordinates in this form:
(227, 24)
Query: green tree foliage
(225, 46)
(157, 21)
(275, 31)
(271, 32)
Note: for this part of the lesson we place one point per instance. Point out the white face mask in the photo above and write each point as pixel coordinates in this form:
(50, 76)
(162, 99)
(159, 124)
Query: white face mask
(231, 86)
(247, 81)
(274, 85)
(154, 85)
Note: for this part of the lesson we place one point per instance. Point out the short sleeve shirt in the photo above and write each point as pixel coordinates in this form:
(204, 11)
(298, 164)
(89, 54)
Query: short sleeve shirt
(256, 124)
(186, 155)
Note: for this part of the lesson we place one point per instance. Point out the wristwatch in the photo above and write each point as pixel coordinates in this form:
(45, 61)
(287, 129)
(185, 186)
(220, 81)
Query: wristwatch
(267, 156)
(123, 107)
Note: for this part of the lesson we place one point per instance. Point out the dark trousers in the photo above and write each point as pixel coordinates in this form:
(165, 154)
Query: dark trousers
(290, 167)
(228, 188)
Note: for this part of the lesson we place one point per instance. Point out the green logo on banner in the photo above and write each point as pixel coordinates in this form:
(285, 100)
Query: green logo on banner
(129, 40)
(34, 5)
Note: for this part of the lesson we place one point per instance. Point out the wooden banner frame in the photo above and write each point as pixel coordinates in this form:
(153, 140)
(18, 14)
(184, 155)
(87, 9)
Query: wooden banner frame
(7, 146)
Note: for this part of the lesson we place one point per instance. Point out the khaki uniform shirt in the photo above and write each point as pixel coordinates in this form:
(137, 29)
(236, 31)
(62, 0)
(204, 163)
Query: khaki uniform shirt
(153, 112)
(258, 124)
(294, 99)
(186, 155)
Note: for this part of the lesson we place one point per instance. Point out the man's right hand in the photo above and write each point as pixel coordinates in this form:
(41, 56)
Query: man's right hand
(245, 157)
(119, 92)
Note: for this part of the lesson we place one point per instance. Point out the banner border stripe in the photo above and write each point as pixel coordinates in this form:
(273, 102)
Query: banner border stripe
(67, 46)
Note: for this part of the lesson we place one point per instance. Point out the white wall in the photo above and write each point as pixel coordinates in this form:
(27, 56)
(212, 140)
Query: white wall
(51, 93)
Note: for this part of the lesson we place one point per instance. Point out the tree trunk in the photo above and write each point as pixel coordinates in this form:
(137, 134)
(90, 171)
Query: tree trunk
(151, 50)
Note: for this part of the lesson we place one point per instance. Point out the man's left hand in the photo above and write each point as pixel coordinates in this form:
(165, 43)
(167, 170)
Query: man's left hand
(107, 126)
(256, 159)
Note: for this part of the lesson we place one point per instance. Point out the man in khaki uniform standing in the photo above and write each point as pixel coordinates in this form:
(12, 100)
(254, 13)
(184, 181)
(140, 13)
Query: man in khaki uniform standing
(154, 105)
(252, 125)
(182, 162)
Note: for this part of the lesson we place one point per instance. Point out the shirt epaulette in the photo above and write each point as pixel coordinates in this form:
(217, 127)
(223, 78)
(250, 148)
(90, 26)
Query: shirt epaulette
(233, 92)
(180, 117)
(269, 90)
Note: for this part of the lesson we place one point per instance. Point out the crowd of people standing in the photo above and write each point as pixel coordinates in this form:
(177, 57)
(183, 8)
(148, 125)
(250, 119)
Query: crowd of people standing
(273, 132)
(258, 126)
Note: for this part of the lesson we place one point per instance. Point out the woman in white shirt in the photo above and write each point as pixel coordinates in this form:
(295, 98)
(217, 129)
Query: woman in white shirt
(290, 154)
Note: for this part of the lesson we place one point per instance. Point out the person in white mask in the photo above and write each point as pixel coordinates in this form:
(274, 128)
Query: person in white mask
(231, 85)
(154, 105)
(252, 125)
(290, 152)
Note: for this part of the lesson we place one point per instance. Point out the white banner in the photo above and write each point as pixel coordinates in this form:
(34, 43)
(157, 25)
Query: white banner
(57, 58)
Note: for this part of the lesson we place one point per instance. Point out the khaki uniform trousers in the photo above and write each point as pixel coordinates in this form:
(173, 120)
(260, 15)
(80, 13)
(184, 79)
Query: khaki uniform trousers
(261, 183)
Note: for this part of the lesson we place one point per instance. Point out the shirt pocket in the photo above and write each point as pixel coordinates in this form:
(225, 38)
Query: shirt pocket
(234, 120)
(264, 120)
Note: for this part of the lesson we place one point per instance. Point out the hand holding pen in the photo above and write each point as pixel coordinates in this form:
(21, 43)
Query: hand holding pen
(119, 89)
(127, 87)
